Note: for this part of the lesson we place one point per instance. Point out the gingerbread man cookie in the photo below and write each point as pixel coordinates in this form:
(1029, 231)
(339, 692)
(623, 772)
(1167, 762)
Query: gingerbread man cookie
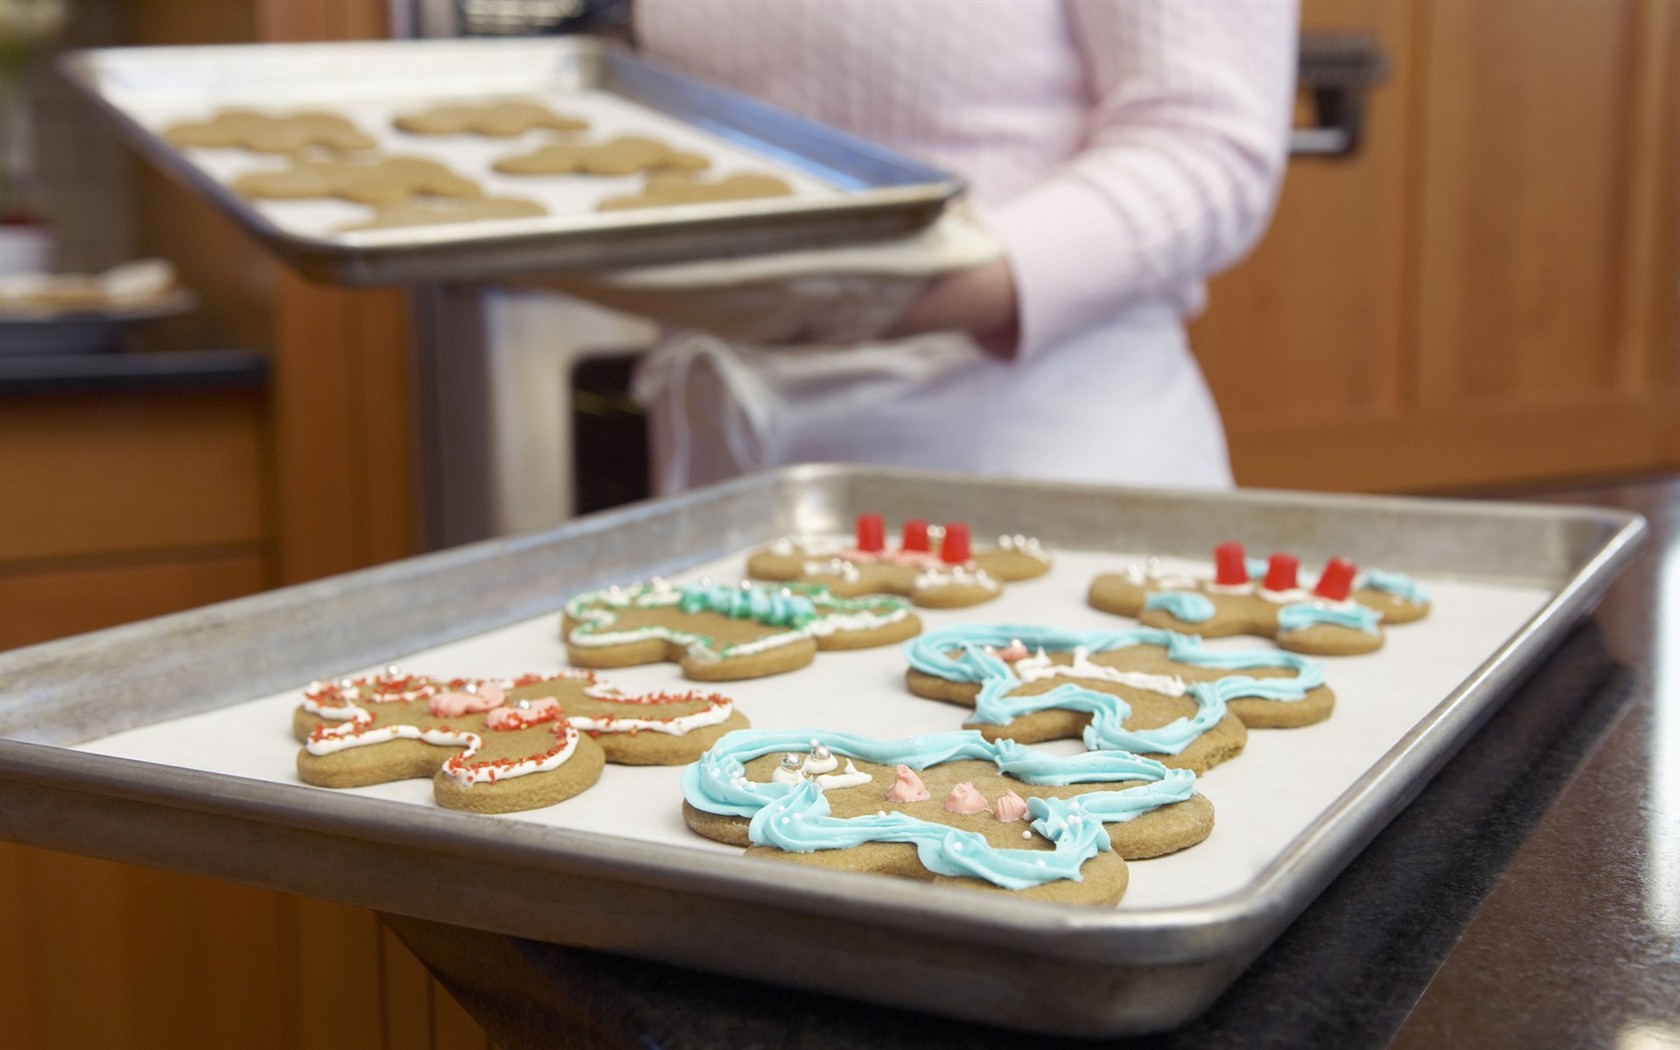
(434, 211)
(945, 807)
(377, 181)
(625, 155)
(718, 633)
(488, 747)
(1342, 615)
(954, 577)
(504, 119)
(1145, 690)
(667, 189)
(655, 729)
(269, 132)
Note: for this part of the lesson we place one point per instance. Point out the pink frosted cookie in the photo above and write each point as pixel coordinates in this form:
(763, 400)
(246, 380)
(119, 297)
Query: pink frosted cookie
(1342, 615)
(934, 566)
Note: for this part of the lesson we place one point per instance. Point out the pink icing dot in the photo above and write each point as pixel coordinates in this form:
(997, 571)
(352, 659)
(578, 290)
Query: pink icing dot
(453, 705)
(1010, 807)
(1014, 651)
(964, 798)
(515, 717)
(907, 787)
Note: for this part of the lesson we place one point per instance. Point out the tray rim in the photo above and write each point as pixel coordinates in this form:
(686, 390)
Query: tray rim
(385, 256)
(1239, 924)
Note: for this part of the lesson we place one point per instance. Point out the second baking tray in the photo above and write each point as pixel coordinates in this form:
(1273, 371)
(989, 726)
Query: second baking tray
(847, 189)
(1151, 964)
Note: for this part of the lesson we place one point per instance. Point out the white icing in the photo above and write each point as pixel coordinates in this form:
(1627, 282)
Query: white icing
(457, 769)
(849, 778)
(1039, 667)
(956, 575)
(675, 726)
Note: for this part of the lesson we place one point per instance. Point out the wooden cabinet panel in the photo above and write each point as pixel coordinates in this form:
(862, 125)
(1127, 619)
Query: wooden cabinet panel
(122, 473)
(1524, 226)
(1311, 327)
(1490, 289)
(39, 605)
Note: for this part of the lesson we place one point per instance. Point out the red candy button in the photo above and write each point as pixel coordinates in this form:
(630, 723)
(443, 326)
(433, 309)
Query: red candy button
(871, 533)
(954, 549)
(1336, 581)
(1280, 572)
(1229, 568)
(915, 535)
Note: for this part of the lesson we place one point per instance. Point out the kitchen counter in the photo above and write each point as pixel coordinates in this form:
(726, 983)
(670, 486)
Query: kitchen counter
(1529, 897)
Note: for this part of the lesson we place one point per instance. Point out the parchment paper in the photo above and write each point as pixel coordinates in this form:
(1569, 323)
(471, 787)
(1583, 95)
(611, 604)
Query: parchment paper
(1262, 799)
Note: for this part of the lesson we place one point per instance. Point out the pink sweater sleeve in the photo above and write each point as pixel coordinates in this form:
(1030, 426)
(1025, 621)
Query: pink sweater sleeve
(1184, 151)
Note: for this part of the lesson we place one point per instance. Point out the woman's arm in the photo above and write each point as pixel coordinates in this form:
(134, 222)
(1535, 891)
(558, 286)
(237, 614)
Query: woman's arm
(1184, 150)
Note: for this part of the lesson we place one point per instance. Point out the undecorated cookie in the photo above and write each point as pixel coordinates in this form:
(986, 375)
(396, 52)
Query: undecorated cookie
(625, 155)
(496, 119)
(269, 132)
(377, 181)
(434, 211)
(670, 189)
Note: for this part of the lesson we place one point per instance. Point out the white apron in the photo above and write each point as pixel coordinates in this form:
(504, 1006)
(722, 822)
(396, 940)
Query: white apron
(1121, 403)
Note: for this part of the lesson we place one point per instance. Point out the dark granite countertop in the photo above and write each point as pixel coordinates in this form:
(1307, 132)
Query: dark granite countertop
(1529, 897)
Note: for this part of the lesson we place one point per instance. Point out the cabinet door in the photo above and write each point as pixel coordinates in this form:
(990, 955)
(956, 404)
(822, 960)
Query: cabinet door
(1485, 293)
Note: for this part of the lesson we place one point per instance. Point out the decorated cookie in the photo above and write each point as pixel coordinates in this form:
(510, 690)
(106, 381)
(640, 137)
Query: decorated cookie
(269, 132)
(433, 211)
(376, 181)
(717, 633)
(496, 119)
(953, 577)
(625, 155)
(654, 729)
(667, 189)
(489, 747)
(946, 807)
(1342, 615)
(1143, 689)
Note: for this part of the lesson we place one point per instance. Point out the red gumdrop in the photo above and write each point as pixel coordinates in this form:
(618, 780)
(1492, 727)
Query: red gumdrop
(1336, 580)
(871, 533)
(1229, 568)
(953, 550)
(1280, 572)
(915, 535)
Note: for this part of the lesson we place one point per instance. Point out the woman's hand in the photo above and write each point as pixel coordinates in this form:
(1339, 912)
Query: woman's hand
(980, 302)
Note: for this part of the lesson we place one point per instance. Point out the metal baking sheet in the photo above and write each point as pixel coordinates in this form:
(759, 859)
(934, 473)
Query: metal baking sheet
(846, 189)
(69, 712)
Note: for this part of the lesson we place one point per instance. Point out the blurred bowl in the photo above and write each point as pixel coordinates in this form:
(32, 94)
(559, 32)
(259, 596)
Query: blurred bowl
(84, 331)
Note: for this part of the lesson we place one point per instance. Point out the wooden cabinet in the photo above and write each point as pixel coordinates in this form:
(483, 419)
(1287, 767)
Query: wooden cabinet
(1486, 293)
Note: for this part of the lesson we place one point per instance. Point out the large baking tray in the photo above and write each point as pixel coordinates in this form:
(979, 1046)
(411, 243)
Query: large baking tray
(1017, 963)
(847, 189)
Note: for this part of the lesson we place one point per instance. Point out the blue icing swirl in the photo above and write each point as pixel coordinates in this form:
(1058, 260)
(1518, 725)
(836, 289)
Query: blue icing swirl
(966, 653)
(1395, 584)
(1301, 615)
(797, 817)
(1187, 606)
